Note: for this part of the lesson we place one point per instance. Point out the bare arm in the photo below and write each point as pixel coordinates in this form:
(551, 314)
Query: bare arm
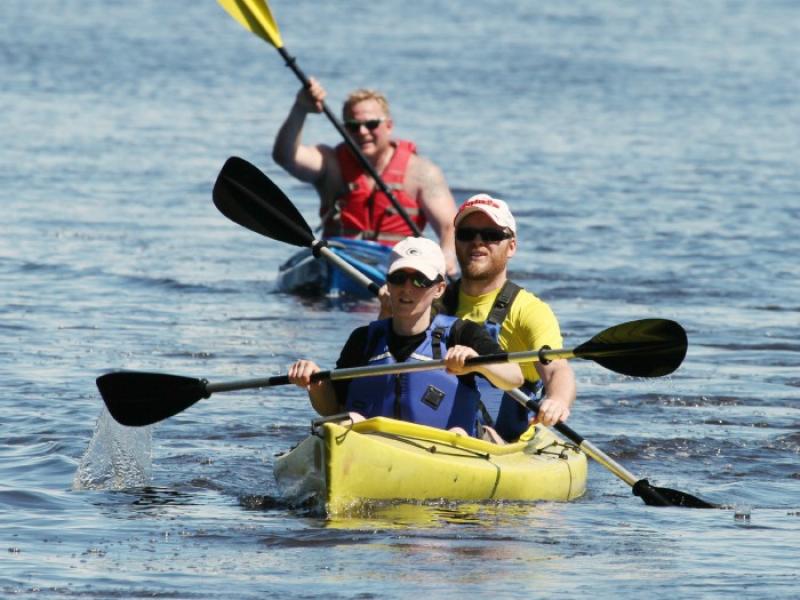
(306, 163)
(437, 203)
(321, 393)
(505, 376)
(559, 382)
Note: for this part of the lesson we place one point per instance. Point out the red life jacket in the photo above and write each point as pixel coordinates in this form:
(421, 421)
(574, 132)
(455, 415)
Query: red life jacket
(367, 213)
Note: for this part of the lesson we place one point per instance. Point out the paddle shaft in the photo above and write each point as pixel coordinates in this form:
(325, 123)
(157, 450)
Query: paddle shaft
(651, 495)
(374, 371)
(291, 62)
(319, 248)
(292, 225)
(590, 449)
(142, 398)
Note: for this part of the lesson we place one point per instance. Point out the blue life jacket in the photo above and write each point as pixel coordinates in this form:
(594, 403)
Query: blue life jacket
(496, 408)
(434, 398)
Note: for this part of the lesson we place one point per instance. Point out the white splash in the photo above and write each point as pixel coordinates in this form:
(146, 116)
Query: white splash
(118, 457)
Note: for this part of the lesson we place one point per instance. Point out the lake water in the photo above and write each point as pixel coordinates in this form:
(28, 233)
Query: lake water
(650, 152)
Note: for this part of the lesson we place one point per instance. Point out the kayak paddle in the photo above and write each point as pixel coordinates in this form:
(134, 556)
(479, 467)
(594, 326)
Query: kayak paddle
(653, 347)
(256, 17)
(651, 495)
(248, 197)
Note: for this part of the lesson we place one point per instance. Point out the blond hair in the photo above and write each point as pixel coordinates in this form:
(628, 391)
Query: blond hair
(365, 94)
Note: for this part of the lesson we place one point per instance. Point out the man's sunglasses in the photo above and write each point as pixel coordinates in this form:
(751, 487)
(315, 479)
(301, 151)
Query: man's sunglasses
(417, 279)
(354, 126)
(488, 234)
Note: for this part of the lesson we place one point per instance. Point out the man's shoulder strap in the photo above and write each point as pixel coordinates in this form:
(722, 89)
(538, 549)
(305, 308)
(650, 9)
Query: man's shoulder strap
(502, 304)
(499, 309)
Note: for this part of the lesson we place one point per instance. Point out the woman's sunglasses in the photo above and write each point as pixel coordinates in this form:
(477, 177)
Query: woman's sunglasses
(488, 234)
(353, 126)
(417, 279)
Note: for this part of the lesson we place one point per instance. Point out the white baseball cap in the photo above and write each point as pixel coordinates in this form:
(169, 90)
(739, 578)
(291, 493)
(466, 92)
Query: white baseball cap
(420, 254)
(497, 210)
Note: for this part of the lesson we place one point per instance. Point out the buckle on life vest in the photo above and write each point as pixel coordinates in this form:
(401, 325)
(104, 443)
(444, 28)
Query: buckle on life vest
(433, 397)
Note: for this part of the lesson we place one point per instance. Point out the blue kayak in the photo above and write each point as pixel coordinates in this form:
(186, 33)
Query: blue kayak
(304, 274)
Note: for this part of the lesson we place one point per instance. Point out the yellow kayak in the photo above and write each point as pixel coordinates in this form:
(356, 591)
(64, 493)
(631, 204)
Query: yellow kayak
(343, 465)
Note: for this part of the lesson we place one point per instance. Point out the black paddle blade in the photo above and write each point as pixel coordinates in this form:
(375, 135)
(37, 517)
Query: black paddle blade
(248, 197)
(658, 496)
(137, 399)
(644, 348)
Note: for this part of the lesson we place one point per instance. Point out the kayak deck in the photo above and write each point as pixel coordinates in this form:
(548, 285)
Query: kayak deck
(343, 466)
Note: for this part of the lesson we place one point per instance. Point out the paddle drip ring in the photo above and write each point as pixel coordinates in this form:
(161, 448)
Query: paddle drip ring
(316, 247)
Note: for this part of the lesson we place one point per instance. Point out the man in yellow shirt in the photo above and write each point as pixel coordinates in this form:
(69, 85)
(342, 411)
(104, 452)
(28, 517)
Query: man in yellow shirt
(486, 239)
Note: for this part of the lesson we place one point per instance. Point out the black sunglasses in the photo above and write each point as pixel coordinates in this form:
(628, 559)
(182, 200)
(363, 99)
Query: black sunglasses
(488, 234)
(371, 124)
(417, 279)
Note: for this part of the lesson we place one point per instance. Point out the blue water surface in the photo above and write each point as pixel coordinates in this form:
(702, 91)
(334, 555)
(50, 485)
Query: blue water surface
(650, 152)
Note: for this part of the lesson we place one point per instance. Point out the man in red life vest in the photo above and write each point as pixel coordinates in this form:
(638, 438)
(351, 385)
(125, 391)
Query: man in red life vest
(351, 205)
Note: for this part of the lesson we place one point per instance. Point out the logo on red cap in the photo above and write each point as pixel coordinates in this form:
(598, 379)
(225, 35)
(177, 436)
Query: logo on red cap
(488, 201)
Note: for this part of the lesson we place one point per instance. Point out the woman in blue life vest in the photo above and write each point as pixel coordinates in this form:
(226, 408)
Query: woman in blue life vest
(447, 399)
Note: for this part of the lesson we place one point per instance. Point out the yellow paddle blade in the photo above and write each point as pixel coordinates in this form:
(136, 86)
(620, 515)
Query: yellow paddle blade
(255, 16)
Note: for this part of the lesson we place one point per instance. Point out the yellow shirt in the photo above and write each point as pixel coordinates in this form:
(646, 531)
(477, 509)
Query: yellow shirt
(529, 324)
